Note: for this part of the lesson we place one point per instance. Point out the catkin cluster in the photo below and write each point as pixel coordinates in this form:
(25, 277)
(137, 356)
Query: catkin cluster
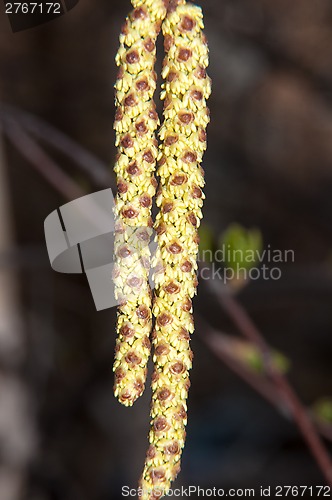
(185, 89)
(179, 199)
(136, 120)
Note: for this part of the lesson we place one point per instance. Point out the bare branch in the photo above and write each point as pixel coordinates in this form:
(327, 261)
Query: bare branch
(86, 161)
(41, 161)
(222, 346)
(17, 426)
(300, 415)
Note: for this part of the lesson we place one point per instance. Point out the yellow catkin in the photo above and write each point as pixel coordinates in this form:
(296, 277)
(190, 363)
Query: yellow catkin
(135, 123)
(180, 198)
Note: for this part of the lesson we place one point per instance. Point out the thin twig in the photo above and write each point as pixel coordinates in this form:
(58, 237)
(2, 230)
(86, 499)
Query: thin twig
(247, 327)
(17, 422)
(86, 161)
(41, 161)
(219, 343)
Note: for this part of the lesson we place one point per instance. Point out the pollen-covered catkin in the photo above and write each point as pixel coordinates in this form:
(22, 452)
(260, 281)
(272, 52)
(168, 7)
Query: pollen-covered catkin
(185, 90)
(135, 123)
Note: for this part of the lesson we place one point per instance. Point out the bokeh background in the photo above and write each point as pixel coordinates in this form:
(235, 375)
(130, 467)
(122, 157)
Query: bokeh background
(63, 436)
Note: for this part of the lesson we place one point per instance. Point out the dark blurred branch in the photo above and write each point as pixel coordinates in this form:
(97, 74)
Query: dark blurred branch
(41, 161)
(300, 415)
(11, 339)
(222, 346)
(86, 161)
(17, 425)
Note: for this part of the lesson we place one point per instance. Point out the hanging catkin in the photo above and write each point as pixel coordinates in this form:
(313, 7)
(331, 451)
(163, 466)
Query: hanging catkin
(179, 199)
(135, 123)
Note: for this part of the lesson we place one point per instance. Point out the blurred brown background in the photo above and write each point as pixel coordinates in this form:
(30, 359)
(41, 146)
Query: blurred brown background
(269, 164)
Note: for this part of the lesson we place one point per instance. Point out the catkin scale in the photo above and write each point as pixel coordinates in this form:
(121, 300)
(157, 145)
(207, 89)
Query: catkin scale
(180, 198)
(135, 124)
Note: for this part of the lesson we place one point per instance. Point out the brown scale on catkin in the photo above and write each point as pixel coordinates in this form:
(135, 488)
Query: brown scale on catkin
(135, 123)
(179, 198)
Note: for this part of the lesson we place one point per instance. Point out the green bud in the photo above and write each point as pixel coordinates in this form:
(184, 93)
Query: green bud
(241, 246)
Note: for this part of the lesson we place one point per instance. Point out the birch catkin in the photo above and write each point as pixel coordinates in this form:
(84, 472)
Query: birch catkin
(179, 199)
(135, 123)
